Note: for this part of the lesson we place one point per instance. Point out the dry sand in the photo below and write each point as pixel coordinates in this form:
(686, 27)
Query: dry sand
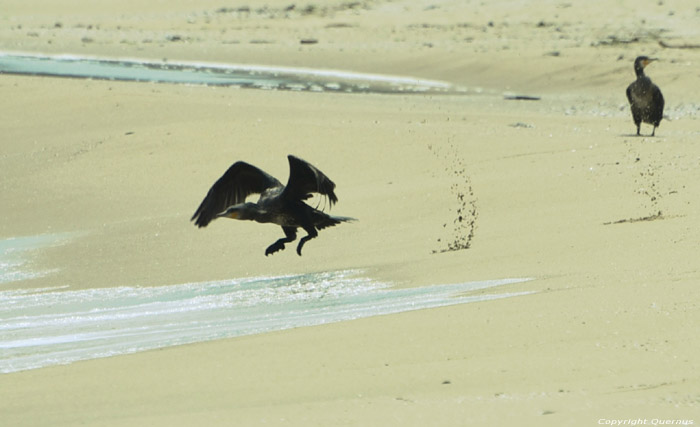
(558, 190)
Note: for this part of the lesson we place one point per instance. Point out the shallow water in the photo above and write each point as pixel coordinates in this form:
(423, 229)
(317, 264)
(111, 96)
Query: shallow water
(49, 326)
(13, 255)
(247, 76)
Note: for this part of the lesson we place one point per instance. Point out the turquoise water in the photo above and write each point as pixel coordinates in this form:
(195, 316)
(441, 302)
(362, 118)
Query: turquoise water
(247, 76)
(51, 326)
(13, 256)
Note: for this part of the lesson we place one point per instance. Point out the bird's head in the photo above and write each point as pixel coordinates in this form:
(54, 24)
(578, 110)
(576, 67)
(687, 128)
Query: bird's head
(640, 63)
(241, 211)
(643, 61)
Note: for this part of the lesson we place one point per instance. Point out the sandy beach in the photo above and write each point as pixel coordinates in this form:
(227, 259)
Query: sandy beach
(559, 190)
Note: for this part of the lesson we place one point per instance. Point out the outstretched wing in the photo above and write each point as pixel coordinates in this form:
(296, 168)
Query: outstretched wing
(305, 179)
(239, 181)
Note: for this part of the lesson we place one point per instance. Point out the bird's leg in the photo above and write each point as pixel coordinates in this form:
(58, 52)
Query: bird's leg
(638, 126)
(290, 233)
(312, 233)
(653, 131)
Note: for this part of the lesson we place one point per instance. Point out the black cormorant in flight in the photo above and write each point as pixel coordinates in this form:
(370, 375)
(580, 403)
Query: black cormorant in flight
(278, 204)
(645, 97)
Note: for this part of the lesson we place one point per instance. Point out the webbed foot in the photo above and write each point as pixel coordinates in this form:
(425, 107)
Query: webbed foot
(290, 234)
(275, 247)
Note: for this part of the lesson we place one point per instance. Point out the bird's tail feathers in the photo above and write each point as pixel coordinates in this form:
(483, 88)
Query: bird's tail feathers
(330, 221)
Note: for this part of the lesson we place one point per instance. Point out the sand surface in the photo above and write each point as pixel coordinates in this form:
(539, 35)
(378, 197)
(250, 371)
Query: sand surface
(559, 190)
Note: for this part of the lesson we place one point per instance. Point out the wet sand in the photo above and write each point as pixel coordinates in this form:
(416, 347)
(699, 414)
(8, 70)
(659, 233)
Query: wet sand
(557, 189)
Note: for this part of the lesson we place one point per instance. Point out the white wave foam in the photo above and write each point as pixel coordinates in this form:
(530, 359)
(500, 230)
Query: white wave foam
(48, 327)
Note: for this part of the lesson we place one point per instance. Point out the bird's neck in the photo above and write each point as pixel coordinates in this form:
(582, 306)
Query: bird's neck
(256, 213)
(248, 212)
(639, 71)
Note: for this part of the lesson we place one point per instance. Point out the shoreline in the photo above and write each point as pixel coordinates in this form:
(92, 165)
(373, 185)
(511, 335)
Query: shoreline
(216, 74)
(50, 327)
(546, 189)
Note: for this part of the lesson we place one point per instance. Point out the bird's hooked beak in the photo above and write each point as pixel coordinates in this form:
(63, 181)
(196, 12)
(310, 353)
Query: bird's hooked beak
(230, 213)
(649, 61)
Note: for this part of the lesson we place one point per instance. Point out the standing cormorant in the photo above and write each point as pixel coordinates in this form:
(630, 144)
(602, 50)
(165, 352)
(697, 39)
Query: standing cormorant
(645, 97)
(278, 204)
